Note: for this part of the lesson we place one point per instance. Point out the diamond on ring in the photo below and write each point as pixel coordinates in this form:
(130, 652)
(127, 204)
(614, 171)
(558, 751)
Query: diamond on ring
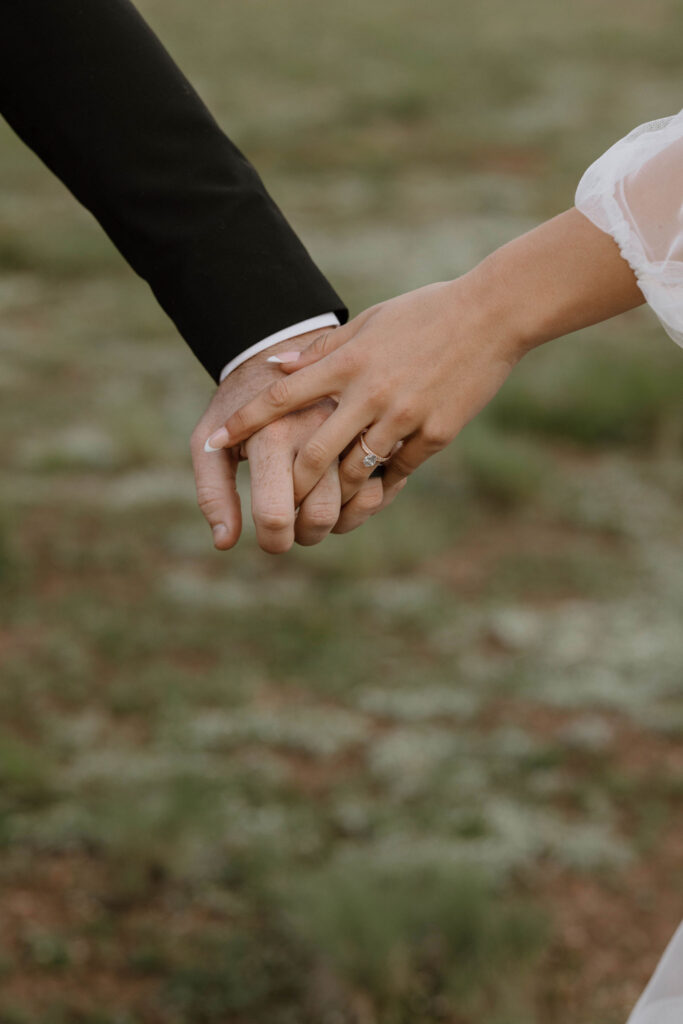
(371, 458)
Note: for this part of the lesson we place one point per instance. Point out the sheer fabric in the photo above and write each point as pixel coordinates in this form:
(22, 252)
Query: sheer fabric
(634, 192)
(662, 1000)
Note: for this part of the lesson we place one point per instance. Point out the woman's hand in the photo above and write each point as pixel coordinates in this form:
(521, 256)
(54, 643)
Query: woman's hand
(419, 367)
(414, 369)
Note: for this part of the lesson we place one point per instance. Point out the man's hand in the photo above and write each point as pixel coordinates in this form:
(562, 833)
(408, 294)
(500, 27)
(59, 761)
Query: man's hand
(271, 453)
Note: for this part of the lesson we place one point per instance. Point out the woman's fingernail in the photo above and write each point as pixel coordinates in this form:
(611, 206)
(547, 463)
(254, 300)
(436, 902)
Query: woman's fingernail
(217, 441)
(219, 532)
(284, 357)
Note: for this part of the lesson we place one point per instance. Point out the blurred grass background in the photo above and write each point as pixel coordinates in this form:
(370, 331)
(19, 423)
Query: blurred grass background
(428, 772)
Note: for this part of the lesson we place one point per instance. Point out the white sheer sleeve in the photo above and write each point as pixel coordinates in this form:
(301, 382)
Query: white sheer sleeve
(634, 192)
(662, 1000)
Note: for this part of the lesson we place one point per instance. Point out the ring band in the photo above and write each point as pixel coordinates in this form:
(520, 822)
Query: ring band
(371, 458)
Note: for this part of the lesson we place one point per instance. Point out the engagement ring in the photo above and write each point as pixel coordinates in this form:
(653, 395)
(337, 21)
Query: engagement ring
(371, 458)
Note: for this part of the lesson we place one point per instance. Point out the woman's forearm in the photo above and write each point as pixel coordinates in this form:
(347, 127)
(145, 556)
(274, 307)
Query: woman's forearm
(561, 276)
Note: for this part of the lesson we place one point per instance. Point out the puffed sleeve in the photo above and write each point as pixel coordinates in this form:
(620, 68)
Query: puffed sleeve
(634, 192)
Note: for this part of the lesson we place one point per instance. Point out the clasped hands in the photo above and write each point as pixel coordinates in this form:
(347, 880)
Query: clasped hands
(281, 513)
(413, 369)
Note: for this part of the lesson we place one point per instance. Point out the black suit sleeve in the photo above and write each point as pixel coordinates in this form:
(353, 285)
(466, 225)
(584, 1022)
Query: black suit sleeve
(89, 87)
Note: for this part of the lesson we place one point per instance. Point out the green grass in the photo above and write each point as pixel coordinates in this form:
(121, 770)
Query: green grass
(419, 940)
(620, 396)
(353, 785)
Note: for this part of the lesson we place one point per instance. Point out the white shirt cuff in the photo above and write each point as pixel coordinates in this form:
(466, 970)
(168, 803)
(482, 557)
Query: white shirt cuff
(314, 323)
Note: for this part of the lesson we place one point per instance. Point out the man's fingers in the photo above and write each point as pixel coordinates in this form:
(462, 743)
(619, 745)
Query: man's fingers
(272, 492)
(364, 504)
(216, 481)
(319, 511)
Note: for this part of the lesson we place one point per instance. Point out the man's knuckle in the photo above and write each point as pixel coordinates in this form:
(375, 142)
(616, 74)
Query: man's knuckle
(278, 432)
(208, 499)
(322, 514)
(273, 520)
(352, 472)
(369, 503)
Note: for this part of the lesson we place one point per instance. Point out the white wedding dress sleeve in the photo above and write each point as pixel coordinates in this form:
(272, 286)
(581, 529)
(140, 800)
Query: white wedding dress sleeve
(634, 192)
(662, 1000)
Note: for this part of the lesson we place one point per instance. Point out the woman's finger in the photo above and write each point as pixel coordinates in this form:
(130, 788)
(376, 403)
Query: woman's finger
(369, 451)
(320, 347)
(285, 394)
(319, 511)
(322, 449)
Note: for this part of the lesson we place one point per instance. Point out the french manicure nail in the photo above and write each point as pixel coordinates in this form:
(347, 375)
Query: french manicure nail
(284, 357)
(217, 441)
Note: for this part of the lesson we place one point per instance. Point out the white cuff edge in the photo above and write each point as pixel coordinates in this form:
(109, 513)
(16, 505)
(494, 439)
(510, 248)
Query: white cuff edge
(314, 323)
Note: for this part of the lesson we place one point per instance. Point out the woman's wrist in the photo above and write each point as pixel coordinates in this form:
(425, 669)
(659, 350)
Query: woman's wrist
(564, 275)
(487, 307)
